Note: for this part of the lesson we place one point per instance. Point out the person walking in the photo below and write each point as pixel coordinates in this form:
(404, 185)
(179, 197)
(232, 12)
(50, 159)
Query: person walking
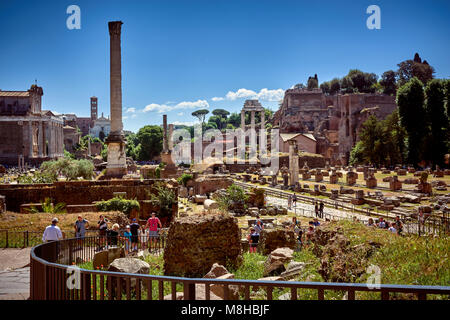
(290, 202)
(52, 232)
(102, 227)
(134, 228)
(152, 226)
(316, 209)
(321, 210)
(80, 229)
(253, 239)
(127, 237)
(399, 225)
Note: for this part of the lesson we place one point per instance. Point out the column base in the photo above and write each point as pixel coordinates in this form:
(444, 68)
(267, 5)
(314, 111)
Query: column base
(117, 163)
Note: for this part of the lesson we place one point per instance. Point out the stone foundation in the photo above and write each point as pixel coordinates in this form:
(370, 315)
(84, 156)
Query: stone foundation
(271, 239)
(195, 243)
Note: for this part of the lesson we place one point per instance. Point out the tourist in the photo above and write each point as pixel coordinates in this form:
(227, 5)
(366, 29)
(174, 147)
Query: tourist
(382, 224)
(392, 228)
(371, 223)
(321, 210)
(102, 227)
(309, 234)
(294, 200)
(253, 240)
(127, 237)
(52, 232)
(316, 209)
(316, 222)
(80, 229)
(399, 225)
(143, 237)
(134, 227)
(290, 202)
(113, 235)
(152, 225)
(259, 226)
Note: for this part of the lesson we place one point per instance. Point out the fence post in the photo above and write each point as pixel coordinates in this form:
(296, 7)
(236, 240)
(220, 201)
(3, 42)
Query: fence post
(7, 239)
(28, 242)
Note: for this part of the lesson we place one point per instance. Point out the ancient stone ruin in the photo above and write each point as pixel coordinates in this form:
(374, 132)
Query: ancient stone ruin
(195, 243)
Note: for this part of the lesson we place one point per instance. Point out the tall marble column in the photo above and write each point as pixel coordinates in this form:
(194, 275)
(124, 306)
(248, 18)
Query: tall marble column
(293, 162)
(252, 123)
(243, 120)
(30, 139)
(165, 137)
(117, 166)
(263, 120)
(169, 137)
(40, 140)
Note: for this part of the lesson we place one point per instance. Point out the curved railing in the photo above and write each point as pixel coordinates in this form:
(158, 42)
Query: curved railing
(54, 277)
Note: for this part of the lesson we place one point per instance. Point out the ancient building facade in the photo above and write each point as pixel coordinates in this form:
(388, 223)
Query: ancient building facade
(334, 121)
(26, 130)
(101, 128)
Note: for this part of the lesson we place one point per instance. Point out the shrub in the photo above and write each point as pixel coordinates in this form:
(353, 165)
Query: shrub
(164, 198)
(67, 167)
(232, 195)
(118, 204)
(185, 177)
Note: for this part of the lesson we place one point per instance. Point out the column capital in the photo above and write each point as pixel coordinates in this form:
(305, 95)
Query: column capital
(115, 28)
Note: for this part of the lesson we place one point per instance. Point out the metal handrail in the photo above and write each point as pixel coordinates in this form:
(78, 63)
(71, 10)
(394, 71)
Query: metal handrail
(48, 281)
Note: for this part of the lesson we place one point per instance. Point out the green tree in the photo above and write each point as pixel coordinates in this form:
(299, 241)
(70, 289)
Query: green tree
(200, 115)
(235, 119)
(218, 121)
(347, 85)
(409, 69)
(221, 113)
(410, 102)
(150, 140)
(437, 121)
(363, 82)
(313, 82)
(370, 135)
(325, 86)
(388, 82)
(335, 86)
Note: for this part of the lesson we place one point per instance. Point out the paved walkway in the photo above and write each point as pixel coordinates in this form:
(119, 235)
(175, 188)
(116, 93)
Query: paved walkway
(14, 274)
(307, 210)
(15, 284)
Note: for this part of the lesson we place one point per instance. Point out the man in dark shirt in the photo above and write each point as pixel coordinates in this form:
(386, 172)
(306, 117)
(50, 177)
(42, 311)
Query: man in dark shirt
(134, 228)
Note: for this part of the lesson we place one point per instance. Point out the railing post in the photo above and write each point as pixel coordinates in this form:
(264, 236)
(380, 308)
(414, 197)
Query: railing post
(189, 290)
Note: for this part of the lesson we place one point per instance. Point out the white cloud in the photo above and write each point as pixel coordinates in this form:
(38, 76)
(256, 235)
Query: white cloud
(124, 118)
(180, 114)
(263, 95)
(182, 105)
(241, 93)
(131, 110)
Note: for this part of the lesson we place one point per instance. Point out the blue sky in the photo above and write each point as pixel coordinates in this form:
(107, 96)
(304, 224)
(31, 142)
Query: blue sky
(178, 56)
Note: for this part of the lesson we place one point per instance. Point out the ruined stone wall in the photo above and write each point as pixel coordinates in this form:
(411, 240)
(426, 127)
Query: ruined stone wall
(316, 161)
(77, 192)
(355, 109)
(11, 142)
(241, 167)
(211, 183)
(195, 243)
